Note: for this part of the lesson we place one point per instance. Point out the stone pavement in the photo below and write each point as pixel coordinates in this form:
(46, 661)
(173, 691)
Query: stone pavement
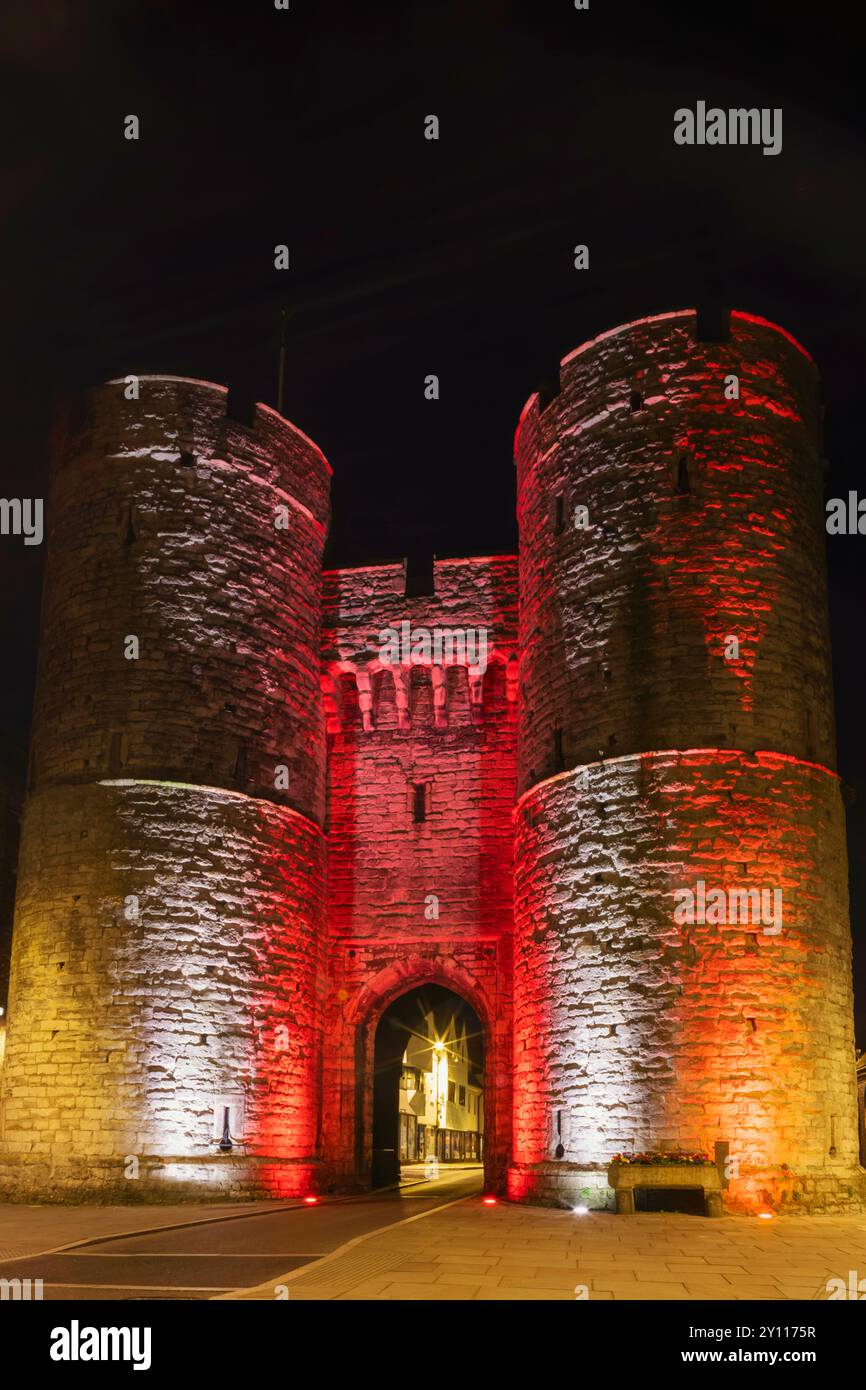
(471, 1251)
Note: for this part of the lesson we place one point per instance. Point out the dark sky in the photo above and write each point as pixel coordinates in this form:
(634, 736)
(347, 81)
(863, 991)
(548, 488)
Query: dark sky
(410, 256)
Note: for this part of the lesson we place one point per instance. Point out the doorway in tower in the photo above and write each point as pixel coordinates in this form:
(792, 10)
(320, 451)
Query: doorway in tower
(428, 1085)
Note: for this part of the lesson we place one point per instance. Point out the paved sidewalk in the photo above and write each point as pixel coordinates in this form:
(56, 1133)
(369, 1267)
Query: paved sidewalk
(32, 1230)
(471, 1251)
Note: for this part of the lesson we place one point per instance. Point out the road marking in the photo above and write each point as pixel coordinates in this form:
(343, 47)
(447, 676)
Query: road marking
(148, 1288)
(186, 1255)
(156, 1230)
(259, 1210)
(335, 1254)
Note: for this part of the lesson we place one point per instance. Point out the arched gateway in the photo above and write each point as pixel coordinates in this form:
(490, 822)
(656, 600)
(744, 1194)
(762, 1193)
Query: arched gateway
(351, 1056)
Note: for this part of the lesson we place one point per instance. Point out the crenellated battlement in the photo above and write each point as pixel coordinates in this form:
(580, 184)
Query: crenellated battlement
(660, 362)
(426, 659)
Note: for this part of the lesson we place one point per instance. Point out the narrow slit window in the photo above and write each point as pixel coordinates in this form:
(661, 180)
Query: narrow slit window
(114, 752)
(683, 485)
(187, 460)
(635, 401)
(558, 751)
(241, 764)
(131, 534)
(420, 575)
(419, 802)
(559, 522)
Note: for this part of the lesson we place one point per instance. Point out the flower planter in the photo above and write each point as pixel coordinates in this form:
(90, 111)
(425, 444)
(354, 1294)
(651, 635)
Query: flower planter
(626, 1178)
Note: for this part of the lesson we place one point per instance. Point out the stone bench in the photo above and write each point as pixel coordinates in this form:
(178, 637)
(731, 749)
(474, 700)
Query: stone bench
(626, 1178)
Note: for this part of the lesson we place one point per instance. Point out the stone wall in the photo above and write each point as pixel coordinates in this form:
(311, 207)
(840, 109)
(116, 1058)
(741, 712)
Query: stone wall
(12, 765)
(644, 1032)
(861, 1098)
(623, 621)
(168, 962)
(161, 525)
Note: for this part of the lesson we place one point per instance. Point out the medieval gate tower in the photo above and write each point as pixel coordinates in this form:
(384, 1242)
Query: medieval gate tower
(224, 879)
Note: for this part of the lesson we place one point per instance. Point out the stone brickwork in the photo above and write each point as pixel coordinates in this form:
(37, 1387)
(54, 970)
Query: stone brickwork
(623, 622)
(168, 961)
(162, 525)
(240, 848)
(12, 763)
(642, 1031)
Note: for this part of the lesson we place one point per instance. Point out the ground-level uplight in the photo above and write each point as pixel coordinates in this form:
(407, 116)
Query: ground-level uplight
(311, 1201)
(765, 1216)
(581, 1211)
(489, 1201)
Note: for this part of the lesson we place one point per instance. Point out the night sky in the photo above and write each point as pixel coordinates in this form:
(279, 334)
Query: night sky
(411, 256)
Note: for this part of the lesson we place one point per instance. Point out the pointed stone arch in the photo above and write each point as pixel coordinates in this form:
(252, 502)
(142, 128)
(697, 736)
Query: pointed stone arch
(362, 1014)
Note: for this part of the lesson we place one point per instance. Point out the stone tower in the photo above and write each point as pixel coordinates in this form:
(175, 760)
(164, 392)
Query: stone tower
(168, 942)
(676, 738)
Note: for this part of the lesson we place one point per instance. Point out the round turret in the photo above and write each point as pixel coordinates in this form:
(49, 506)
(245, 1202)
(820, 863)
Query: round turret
(682, 950)
(164, 1032)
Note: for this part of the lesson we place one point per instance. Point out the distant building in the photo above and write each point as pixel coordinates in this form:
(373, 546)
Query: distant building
(441, 1098)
